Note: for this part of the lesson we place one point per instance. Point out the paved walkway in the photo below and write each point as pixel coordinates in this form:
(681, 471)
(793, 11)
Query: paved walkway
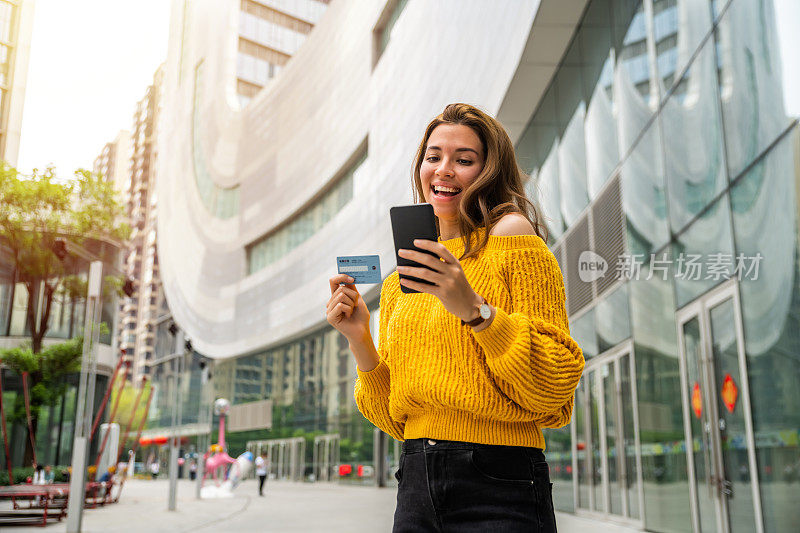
(285, 507)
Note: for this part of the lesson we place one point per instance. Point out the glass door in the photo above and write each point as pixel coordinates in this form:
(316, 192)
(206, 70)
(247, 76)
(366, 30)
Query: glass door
(719, 433)
(607, 470)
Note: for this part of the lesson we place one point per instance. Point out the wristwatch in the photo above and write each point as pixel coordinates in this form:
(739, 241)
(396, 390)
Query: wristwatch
(484, 313)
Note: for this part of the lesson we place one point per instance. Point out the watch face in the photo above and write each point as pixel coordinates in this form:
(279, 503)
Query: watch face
(486, 312)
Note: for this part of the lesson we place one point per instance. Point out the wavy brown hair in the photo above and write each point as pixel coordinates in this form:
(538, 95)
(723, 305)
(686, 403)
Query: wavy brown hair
(497, 191)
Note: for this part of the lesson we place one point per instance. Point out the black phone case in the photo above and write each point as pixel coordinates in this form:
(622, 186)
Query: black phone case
(411, 222)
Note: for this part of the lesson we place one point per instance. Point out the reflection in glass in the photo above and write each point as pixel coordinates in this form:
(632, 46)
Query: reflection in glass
(666, 488)
(697, 268)
(19, 312)
(550, 193)
(58, 325)
(559, 458)
(633, 70)
(764, 209)
(613, 454)
(693, 134)
(583, 331)
(570, 116)
(730, 409)
(583, 460)
(679, 26)
(596, 42)
(572, 168)
(751, 80)
(613, 318)
(643, 196)
(595, 387)
(5, 305)
(698, 402)
(629, 438)
(602, 152)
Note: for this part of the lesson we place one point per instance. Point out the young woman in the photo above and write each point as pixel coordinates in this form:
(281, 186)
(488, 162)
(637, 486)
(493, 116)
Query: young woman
(468, 371)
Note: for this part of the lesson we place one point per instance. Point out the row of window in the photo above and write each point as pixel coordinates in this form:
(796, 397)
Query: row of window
(270, 34)
(278, 244)
(255, 70)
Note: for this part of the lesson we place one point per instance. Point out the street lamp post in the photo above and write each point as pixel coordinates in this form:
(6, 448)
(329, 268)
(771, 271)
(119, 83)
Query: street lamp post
(201, 418)
(85, 400)
(177, 378)
(177, 412)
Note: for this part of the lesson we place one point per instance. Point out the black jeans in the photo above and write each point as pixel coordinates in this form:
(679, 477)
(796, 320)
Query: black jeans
(261, 480)
(449, 486)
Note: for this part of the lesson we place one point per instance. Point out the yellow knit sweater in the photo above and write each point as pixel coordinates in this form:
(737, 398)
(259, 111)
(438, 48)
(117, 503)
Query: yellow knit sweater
(438, 379)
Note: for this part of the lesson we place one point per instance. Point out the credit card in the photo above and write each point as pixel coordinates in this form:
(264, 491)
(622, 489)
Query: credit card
(362, 268)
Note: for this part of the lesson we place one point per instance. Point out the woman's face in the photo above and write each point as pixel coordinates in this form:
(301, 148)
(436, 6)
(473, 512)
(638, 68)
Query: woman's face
(453, 158)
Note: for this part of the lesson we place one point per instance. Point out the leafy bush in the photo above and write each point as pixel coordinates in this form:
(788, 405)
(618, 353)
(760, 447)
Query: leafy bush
(22, 474)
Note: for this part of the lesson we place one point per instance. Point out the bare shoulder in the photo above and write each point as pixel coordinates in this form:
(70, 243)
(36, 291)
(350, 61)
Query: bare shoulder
(512, 224)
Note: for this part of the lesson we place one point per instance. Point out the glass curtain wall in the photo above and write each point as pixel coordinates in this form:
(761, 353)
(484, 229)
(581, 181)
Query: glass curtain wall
(692, 105)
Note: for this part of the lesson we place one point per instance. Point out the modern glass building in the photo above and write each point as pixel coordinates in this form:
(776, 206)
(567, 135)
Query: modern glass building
(663, 147)
(55, 425)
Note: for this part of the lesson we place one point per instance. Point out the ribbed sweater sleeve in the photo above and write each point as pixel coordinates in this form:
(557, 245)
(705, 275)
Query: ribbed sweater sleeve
(529, 351)
(372, 388)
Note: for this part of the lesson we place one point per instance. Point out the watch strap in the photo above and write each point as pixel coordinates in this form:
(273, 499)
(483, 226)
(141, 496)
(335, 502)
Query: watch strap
(479, 320)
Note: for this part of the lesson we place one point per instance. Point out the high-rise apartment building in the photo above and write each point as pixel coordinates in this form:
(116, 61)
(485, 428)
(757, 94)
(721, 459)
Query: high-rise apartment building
(16, 26)
(270, 32)
(130, 162)
(113, 163)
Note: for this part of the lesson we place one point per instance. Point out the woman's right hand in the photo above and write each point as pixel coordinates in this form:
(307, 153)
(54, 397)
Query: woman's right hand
(347, 311)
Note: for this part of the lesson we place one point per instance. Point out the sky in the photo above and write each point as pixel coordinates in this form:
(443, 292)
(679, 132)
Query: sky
(91, 61)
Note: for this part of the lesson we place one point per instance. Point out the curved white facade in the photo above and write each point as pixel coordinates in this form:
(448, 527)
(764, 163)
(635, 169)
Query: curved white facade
(294, 137)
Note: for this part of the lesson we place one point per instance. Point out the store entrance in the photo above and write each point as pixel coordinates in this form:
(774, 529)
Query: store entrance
(606, 451)
(723, 478)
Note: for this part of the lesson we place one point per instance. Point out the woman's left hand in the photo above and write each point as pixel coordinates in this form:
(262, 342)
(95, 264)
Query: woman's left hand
(450, 284)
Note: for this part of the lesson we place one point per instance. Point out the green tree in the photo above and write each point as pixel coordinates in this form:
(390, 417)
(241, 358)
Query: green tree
(40, 219)
(45, 370)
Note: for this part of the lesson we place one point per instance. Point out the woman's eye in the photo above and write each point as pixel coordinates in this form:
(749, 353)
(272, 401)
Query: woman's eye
(431, 158)
(465, 161)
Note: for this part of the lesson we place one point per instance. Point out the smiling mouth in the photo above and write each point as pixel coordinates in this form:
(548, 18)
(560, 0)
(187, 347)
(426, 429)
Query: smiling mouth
(444, 194)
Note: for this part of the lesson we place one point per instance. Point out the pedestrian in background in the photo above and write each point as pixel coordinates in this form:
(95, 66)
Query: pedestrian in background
(38, 475)
(49, 475)
(261, 471)
(469, 370)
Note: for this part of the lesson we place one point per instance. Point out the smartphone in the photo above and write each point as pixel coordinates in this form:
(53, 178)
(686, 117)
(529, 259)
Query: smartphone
(411, 222)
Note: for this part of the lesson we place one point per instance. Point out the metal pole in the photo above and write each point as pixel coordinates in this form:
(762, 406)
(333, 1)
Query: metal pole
(201, 440)
(85, 399)
(173, 443)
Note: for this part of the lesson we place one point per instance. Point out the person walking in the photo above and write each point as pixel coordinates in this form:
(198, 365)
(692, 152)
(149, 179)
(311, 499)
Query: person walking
(261, 471)
(469, 370)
